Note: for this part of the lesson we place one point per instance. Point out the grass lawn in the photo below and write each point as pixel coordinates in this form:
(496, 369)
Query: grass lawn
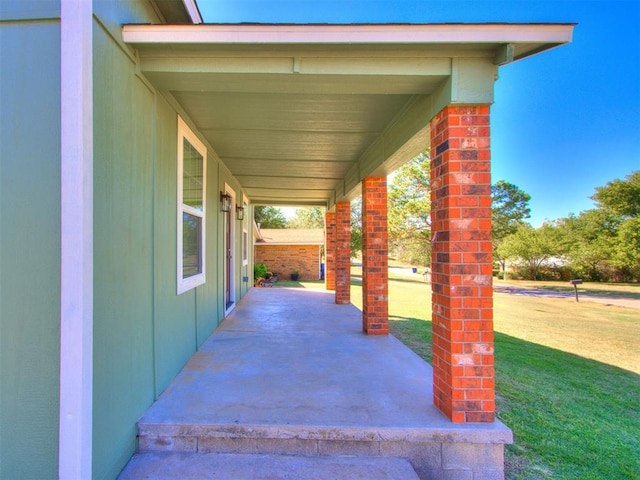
(567, 378)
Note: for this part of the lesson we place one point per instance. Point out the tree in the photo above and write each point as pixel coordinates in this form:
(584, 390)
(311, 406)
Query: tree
(621, 196)
(356, 226)
(410, 211)
(627, 249)
(589, 240)
(270, 217)
(533, 247)
(509, 210)
(310, 217)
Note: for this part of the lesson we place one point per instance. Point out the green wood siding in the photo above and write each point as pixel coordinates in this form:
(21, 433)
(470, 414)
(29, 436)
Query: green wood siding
(144, 332)
(29, 248)
(175, 332)
(123, 254)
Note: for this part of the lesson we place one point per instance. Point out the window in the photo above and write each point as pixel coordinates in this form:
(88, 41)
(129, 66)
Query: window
(192, 174)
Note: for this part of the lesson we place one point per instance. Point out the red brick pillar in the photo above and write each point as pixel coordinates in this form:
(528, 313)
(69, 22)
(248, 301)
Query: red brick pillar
(462, 301)
(330, 251)
(375, 260)
(343, 252)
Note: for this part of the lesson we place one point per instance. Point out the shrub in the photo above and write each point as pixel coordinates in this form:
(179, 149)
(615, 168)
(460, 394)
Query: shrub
(259, 271)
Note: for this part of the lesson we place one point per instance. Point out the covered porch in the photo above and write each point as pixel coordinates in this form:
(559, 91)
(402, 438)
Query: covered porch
(290, 378)
(316, 115)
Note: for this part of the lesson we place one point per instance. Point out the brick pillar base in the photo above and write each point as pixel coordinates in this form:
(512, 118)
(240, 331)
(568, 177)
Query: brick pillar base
(462, 302)
(330, 251)
(343, 252)
(375, 260)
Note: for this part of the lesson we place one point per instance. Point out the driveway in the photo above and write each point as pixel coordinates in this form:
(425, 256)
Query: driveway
(583, 296)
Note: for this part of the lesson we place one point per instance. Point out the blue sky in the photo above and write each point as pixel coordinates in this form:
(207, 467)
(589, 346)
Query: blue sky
(563, 122)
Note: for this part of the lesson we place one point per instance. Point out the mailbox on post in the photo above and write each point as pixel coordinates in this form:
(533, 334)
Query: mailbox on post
(575, 282)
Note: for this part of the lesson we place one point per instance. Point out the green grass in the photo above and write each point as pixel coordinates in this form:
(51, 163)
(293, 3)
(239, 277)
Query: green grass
(567, 379)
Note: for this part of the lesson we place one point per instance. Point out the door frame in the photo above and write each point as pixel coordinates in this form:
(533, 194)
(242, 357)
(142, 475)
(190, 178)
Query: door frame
(229, 252)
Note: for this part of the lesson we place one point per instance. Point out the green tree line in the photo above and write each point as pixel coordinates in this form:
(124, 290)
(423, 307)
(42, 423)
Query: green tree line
(599, 244)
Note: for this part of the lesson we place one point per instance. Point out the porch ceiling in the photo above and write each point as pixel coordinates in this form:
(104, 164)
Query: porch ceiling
(301, 113)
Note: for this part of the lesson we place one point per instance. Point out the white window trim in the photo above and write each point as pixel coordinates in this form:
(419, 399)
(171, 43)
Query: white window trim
(185, 284)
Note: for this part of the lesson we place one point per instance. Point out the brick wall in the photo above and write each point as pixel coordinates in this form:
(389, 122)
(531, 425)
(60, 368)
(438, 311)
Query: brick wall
(284, 259)
(462, 302)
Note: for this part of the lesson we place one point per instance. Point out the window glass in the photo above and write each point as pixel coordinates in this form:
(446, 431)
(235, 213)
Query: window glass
(191, 245)
(192, 185)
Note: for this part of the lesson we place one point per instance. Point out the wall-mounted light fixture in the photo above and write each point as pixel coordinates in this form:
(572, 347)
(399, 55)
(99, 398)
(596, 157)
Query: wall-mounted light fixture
(225, 202)
(239, 212)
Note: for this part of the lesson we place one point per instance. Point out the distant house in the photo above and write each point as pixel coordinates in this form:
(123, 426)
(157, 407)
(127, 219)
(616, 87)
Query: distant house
(284, 251)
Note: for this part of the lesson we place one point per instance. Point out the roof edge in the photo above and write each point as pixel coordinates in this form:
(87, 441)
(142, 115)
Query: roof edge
(545, 33)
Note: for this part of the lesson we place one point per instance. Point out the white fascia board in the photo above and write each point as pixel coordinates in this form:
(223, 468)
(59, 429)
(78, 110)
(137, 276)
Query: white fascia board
(349, 34)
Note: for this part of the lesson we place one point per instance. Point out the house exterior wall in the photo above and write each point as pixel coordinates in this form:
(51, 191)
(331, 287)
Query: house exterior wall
(284, 259)
(143, 332)
(29, 239)
(123, 312)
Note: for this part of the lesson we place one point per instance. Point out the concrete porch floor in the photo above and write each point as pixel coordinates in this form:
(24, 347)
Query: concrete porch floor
(290, 372)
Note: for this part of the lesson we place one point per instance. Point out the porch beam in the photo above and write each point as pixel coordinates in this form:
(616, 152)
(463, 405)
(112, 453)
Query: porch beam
(470, 83)
(288, 83)
(303, 65)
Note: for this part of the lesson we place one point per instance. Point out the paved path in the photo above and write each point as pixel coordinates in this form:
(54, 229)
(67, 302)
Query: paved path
(583, 296)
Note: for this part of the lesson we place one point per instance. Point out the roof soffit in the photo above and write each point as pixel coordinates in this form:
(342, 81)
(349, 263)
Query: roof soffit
(301, 113)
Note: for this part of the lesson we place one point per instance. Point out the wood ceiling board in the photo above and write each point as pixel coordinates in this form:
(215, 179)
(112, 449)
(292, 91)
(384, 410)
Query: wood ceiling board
(293, 112)
(306, 183)
(294, 168)
(316, 195)
(288, 145)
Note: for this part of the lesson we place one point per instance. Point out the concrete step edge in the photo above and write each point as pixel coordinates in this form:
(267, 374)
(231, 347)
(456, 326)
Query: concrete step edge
(185, 465)
(473, 433)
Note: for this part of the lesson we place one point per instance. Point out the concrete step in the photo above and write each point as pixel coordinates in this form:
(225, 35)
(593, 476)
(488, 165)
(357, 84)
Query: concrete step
(188, 466)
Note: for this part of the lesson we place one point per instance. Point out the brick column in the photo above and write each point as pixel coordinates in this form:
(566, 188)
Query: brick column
(375, 260)
(330, 251)
(462, 299)
(343, 252)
